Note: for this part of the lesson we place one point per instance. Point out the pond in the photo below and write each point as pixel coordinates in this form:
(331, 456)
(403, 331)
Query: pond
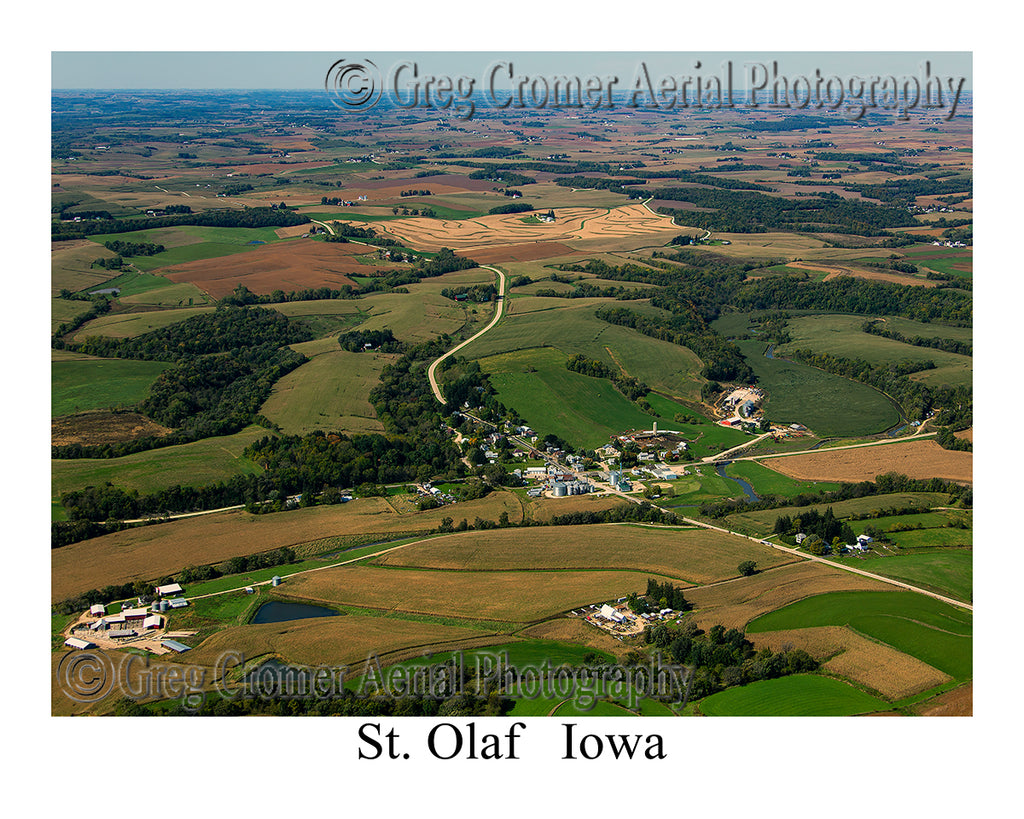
(278, 612)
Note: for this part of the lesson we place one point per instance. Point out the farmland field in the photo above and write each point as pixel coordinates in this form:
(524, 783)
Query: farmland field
(796, 696)
(915, 459)
(842, 336)
(690, 555)
(838, 407)
(922, 627)
(329, 392)
(948, 571)
(100, 383)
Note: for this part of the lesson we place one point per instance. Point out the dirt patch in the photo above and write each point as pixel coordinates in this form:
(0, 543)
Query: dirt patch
(916, 459)
(891, 673)
(965, 435)
(956, 703)
(528, 252)
(292, 231)
(90, 428)
(287, 266)
(735, 603)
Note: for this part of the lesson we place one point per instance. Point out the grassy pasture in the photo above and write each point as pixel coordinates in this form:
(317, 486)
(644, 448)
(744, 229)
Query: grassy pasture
(689, 555)
(582, 410)
(920, 626)
(193, 464)
(841, 335)
(767, 481)
(129, 325)
(71, 265)
(62, 310)
(329, 392)
(705, 437)
(100, 383)
(947, 571)
(191, 243)
(826, 403)
(929, 538)
(800, 695)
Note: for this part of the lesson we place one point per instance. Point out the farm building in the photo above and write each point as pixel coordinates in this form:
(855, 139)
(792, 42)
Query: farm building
(169, 589)
(174, 645)
(76, 642)
(177, 602)
(97, 610)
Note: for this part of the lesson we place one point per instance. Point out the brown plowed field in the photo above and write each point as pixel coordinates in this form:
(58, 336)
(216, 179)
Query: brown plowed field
(529, 252)
(916, 459)
(956, 703)
(293, 265)
(891, 673)
(737, 602)
(103, 428)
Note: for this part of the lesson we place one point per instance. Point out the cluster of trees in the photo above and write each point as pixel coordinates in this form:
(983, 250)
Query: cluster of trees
(514, 207)
(722, 657)
(812, 522)
(245, 218)
(894, 263)
(755, 212)
(500, 173)
(479, 293)
(115, 263)
(63, 532)
(948, 345)
(235, 188)
(631, 387)
(100, 306)
(237, 565)
(242, 296)
(355, 341)
(133, 248)
(666, 596)
(423, 192)
(343, 232)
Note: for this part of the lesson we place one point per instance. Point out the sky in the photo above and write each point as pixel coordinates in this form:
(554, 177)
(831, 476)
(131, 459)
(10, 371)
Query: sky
(307, 70)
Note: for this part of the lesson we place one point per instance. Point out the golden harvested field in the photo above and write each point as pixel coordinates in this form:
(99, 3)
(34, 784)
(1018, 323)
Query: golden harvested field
(835, 271)
(891, 673)
(335, 640)
(916, 459)
(103, 427)
(130, 324)
(529, 252)
(516, 597)
(737, 602)
(71, 265)
(150, 552)
(781, 246)
(689, 555)
(546, 508)
(627, 222)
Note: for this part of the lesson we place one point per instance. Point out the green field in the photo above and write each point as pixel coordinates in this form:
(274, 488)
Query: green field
(129, 325)
(582, 410)
(767, 481)
(201, 462)
(920, 626)
(801, 695)
(840, 335)
(700, 485)
(826, 403)
(191, 243)
(947, 571)
(100, 383)
(929, 538)
(329, 392)
(571, 327)
(705, 437)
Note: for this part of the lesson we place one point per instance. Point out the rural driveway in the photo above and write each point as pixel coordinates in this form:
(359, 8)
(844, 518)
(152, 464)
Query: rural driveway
(497, 317)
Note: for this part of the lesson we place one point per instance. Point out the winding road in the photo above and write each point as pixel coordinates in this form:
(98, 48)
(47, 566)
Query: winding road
(497, 317)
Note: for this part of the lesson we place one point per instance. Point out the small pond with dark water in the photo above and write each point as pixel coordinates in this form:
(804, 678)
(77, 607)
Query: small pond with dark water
(279, 612)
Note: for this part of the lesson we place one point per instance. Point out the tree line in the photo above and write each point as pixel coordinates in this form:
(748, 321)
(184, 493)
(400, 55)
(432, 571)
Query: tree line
(245, 218)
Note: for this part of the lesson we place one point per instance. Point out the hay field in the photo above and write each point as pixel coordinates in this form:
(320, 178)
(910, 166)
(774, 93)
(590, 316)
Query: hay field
(329, 392)
(515, 597)
(689, 555)
(348, 639)
(891, 673)
(629, 222)
(71, 265)
(916, 459)
(737, 602)
(129, 325)
(150, 552)
(835, 271)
